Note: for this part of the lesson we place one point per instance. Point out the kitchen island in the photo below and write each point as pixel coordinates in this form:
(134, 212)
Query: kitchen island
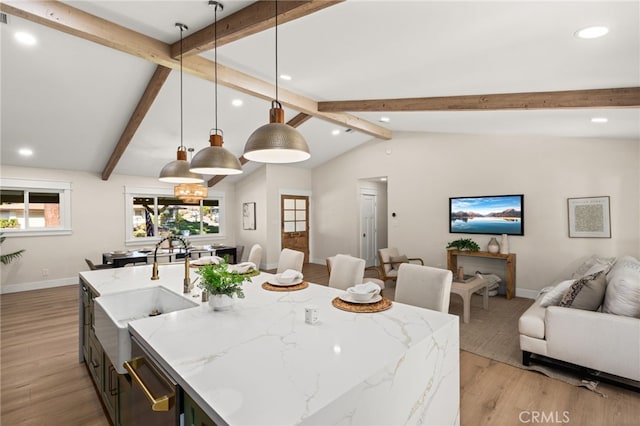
(261, 364)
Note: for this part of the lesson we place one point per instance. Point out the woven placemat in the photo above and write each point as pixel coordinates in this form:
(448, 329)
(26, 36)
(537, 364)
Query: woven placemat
(295, 287)
(382, 305)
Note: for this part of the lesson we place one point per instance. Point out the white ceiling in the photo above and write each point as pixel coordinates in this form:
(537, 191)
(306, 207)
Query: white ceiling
(69, 99)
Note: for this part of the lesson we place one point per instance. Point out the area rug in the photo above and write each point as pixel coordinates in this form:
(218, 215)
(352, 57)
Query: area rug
(494, 334)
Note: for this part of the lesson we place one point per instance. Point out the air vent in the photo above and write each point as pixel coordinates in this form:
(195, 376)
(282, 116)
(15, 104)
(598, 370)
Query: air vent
(3, 18)
(348, 130)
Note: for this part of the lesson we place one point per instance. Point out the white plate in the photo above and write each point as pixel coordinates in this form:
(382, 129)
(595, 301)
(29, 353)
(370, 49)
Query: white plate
(347, 298)
(279, 284)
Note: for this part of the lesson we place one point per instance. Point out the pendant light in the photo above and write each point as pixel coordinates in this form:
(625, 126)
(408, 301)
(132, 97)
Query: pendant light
(214, 159)
(191, 193)
(276, 142)
(178, 171)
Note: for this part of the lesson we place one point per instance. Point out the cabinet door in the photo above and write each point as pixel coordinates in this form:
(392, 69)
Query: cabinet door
(95, 361)
(193, 414)
(86, 320)
(110, 387)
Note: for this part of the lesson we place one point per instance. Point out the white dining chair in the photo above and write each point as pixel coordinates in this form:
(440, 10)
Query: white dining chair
(290, 259)
(424, 286)
(345, 271)
(255, 255)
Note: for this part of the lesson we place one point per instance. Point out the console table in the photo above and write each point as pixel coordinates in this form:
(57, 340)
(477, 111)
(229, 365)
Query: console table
(510, 259)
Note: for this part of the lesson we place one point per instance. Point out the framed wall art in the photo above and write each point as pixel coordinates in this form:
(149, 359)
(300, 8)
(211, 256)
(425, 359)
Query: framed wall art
(249, 216)
(589, 217)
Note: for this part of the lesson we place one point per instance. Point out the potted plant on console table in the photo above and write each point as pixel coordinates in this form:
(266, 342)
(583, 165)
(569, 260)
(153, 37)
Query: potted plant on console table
(222, 285)
(464, 244)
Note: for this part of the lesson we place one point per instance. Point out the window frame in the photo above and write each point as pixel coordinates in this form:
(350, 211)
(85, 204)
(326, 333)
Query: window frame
(63, 189)
(132, 192)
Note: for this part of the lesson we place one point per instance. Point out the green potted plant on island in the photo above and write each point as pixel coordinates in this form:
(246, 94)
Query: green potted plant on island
(464, 244)
(222, 285)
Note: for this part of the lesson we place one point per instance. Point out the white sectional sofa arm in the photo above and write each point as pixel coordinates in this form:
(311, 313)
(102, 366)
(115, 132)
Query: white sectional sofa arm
(596, 340)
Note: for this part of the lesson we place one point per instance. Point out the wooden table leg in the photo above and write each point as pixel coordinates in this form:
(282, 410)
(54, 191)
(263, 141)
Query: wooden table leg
(485, 296)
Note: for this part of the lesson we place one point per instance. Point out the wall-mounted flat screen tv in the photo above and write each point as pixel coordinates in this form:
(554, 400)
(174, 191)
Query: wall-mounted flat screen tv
(497, 214)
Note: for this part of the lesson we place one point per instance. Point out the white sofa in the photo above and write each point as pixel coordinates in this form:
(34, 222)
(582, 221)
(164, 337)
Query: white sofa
(605, 340)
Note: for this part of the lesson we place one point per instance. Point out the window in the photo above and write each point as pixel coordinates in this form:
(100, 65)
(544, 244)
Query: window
(30, 207)
(154, 214)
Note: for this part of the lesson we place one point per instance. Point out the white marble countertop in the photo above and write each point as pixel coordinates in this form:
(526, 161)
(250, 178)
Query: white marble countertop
(261, 364)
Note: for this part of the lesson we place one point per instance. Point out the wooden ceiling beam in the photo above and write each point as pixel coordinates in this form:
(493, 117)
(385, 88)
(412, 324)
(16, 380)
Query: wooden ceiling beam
(74, 21)
(624, 97)
(294, 122)
(156, 82)
(252, 19)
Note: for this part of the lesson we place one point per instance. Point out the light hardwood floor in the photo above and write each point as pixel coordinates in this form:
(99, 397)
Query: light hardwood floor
(42, 382)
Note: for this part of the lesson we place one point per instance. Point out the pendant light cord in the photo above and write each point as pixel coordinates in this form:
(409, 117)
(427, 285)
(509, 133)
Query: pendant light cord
(277, 51)
(182, 28)
(215, 59)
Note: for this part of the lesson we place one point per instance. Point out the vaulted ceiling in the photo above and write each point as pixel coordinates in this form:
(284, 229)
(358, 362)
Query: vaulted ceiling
(100, 89)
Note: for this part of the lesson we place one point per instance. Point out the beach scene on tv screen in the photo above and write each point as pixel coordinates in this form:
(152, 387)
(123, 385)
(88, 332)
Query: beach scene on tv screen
(487, 215)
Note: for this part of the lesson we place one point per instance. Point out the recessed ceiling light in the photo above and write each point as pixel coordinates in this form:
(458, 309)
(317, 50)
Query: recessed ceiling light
(599, 120)
(335, 132)
(25, 38)
(285, 77)
(385, 119)
(236, 102)
(591, 32)
(25, 152)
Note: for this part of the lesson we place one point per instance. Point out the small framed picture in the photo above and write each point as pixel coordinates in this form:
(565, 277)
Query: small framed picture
(249, 216)
(589, 217)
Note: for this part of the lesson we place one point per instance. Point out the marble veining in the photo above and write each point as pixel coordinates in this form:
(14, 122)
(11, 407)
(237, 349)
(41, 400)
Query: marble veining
(261, 364)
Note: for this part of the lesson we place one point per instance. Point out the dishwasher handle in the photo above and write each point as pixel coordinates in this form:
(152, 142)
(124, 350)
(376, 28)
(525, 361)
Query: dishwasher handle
(161, 403)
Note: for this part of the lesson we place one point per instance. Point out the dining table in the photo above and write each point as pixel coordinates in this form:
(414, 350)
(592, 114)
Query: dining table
(120, 258)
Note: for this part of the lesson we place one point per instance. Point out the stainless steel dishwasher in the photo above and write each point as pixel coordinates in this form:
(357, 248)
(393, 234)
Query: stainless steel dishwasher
(154, 397)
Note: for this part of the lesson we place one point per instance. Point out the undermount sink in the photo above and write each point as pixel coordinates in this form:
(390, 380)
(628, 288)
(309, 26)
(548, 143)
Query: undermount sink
(113, 312)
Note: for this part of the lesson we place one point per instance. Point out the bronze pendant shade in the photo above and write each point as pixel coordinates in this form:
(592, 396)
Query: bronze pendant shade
(177, 171)
(276, 142)
(215, 160)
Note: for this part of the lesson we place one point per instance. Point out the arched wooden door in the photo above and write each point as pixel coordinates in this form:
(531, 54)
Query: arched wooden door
(294, 223)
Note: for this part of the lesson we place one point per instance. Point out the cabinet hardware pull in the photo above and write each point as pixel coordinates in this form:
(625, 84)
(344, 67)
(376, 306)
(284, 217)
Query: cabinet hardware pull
(160, 403)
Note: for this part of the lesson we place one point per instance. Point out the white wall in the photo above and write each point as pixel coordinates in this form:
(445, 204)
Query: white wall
(264, 186)
(281, 180)
(253, 188)
(98, 223)
(424, 170)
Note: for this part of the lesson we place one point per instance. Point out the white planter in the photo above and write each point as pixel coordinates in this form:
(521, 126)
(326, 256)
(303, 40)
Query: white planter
(493, 246)
(504, 244)
(221, 302)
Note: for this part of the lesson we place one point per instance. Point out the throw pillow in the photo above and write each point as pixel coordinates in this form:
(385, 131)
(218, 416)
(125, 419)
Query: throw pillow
(586, 293)
(397, 260)
(623, 291)
(554, 296)
(593, 265)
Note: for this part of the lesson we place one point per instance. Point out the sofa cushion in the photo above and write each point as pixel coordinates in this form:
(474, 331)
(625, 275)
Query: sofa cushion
(592, 265)
(623, 290)
(554, 296)
(586, 293)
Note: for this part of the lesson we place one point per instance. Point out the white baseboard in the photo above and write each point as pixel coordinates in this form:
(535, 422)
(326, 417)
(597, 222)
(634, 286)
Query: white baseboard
(526, 293)
(37, 285)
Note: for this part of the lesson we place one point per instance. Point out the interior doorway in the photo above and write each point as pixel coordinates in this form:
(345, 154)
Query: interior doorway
(294, 223)
(373, 218)
(368, 238)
